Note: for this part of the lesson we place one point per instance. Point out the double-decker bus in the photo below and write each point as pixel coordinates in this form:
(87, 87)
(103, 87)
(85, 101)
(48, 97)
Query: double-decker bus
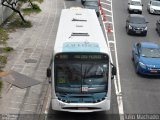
(80, 71)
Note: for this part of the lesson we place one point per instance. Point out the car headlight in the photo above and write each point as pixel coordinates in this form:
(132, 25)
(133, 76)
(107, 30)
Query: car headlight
(142, 65)
(130, 27)
(152, 10)
(145, 28)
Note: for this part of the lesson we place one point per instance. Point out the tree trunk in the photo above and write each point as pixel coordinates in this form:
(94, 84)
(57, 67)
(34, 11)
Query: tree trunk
(15, 10)
(31, 3)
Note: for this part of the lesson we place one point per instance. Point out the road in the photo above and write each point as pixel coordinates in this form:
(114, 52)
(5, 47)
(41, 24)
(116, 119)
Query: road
(140, 94)
(109, 115)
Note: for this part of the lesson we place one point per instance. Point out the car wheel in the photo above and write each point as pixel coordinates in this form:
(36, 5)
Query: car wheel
(145, 34)
(132, 56)
(127, 30)
(136, 68)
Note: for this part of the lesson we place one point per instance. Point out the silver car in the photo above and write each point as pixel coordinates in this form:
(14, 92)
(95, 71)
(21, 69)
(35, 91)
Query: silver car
(154, 7)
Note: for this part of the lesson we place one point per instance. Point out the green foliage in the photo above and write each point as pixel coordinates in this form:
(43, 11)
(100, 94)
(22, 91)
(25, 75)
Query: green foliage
(3, 36)
(18, 23)
(35, 8)
(3, 59)
(7, 49)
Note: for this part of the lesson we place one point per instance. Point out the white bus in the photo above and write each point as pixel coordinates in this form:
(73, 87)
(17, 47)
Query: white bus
(80, 71)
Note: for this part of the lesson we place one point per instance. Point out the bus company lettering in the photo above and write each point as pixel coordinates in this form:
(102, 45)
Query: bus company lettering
(81, 44)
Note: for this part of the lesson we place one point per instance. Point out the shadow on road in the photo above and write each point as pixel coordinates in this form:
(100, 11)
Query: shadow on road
(82, 116)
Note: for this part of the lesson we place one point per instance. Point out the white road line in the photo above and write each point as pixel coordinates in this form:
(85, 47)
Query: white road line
(119, 94)
(108, 15)
(64, 5)
(105, 3)
(108, 22)
(48, 103)
(14, 108)
(29, 111)
(107, 10)
(49, 97)
(111, 41)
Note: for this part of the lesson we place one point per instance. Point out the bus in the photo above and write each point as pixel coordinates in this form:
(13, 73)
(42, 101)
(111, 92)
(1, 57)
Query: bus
(80, 70)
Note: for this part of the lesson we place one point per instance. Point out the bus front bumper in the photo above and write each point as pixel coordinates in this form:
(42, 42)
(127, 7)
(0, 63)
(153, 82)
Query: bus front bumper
(81, 107)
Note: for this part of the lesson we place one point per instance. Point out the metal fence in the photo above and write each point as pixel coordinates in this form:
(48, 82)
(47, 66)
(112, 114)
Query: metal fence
(4, 13)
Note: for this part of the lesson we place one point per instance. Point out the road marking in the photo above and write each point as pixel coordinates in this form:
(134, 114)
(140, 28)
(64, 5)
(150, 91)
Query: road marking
(116, 82)
(108, 15)
(111, 41)
(119, 94)
(14, 108)
(108, 22)
(49, 97)
(105, 3)
(107, 10)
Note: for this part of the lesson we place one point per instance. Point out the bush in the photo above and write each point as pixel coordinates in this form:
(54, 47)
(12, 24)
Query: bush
(3, 60)
(3, 36)
(36, 8)
(18, 23)
(7, 49)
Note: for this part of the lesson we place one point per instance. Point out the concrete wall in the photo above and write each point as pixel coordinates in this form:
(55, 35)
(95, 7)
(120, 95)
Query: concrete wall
(4, 13)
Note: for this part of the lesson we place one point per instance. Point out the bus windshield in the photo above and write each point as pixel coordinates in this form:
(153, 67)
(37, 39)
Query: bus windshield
(79, 77)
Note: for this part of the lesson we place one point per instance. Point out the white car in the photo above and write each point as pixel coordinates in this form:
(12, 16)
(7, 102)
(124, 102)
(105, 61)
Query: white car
(154, 7)
(135, 6)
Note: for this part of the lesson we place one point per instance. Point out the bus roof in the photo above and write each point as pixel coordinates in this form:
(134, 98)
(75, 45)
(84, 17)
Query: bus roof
(80, 31)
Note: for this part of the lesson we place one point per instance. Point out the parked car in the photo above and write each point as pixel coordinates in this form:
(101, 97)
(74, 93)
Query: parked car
(135, 6)
(136, 24)
(158, 26)
(153, 7)
(83, 1)
(91, 4)
(146, 58)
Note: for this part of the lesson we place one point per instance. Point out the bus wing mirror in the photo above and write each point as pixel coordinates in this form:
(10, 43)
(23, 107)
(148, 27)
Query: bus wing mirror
(114, 71)
(48, 72)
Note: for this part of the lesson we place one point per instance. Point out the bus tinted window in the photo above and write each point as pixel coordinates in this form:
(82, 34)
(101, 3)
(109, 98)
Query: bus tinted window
(71, 77)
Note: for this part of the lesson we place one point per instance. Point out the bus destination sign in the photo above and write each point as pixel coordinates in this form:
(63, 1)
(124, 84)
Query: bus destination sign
(81, 57)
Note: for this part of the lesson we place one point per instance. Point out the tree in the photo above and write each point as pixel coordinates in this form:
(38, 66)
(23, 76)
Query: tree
(13, 4)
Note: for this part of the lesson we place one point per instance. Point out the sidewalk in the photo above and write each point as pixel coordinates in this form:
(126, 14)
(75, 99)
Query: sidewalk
(31, 57)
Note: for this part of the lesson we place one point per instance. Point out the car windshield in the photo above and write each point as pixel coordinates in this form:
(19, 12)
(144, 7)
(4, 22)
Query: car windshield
(155, 3)
(90, 3)
(136, 3)
(151, 52)
(137, 20)
(71, 77)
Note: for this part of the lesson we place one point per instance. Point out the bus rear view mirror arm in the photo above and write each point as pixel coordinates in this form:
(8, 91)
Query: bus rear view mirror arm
(114, 71)
(49, 72)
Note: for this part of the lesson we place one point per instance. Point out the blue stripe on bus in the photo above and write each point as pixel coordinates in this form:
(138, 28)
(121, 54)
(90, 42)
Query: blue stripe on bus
(81, 47)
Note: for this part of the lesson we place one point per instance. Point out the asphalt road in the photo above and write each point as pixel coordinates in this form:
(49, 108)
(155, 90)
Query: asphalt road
(140, 94)
(109, 115)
